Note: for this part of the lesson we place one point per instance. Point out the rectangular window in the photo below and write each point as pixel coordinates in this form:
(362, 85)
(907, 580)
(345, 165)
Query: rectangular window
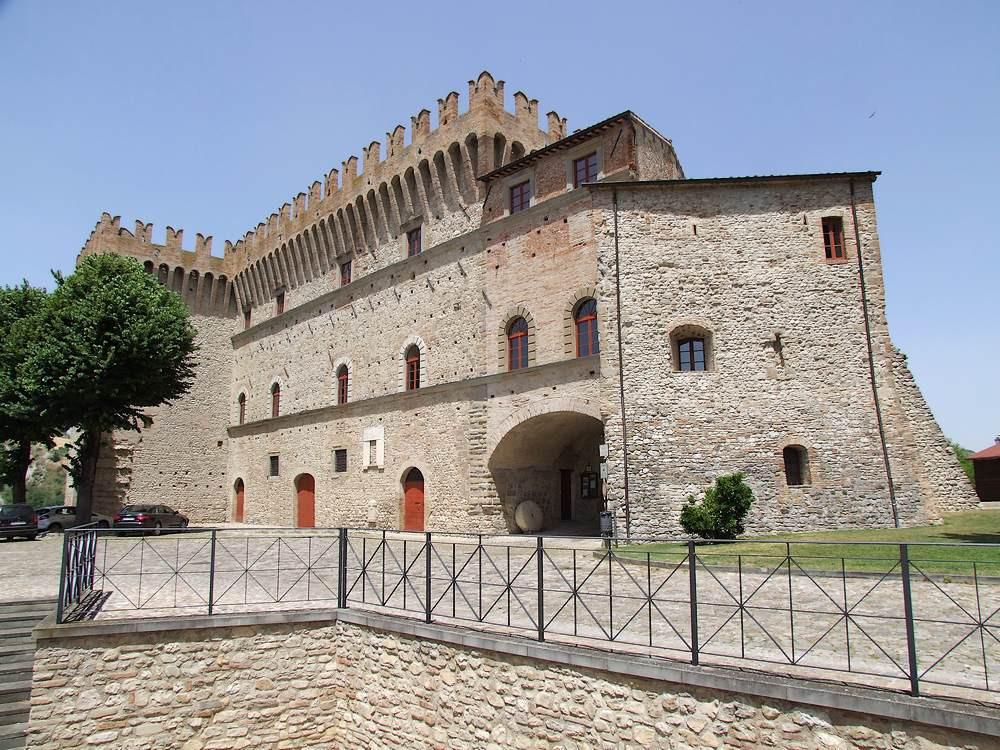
(279, 303)
(413, 242)
(373, 452)
(246, 318)
(340, 460)
(520, 197)
(345, 273)
(585, 169)
(833, 237)
(272, 469)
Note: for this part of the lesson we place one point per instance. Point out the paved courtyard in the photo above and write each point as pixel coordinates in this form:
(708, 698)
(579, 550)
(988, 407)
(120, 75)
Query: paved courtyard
(778, 617)
(30, 570)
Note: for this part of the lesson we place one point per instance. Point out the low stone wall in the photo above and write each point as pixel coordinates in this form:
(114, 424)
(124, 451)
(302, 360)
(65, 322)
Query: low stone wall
(355, 680)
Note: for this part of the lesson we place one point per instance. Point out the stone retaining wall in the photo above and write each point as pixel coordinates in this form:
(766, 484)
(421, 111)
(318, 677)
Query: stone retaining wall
(351, 680)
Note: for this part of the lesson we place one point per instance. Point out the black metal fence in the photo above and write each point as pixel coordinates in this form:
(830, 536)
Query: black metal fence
(916, 617)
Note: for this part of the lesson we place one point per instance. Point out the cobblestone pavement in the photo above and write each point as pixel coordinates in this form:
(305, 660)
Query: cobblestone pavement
(30, 570)
(778, 617)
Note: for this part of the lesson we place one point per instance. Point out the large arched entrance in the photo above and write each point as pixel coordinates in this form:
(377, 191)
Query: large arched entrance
(239, 509)
(413, 500)
(305, 501)
(553, 460)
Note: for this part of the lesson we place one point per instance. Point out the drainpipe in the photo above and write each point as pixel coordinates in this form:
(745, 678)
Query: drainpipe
(871, 360)
(621, 368)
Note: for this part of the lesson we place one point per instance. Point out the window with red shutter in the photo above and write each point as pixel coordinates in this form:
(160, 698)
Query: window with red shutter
(275, 400)
(585, 169)
(345, 273)
(520, 196)
(586, 328)
(342, 380)
(413, 246)
(833, 237)
(517, 344)
(412, 368)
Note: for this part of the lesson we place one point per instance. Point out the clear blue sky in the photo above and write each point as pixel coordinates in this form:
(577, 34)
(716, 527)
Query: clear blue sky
(209, 115)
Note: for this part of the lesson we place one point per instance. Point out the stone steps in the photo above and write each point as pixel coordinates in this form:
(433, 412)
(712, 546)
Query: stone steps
(17, 653)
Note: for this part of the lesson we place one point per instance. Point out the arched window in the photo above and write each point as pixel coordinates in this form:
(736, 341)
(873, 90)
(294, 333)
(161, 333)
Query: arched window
(275, 400)
(412, 368)
(586, 328)
(342, 379)
(796, 460)
(242, 402)
(517, 344)
(691, 354)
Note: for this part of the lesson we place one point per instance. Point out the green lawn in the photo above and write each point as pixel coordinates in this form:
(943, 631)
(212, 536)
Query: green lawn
(862, 550)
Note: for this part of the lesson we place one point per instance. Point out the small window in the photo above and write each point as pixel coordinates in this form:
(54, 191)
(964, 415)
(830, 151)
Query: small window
(275, 400)
(340, 460)
(517, 344)
(272, 467)
(412, 368)
(796, 460)
(242, 402)
(833, 237)
(246, 318)
(585, 169)
(343, 377)
(413, 242)
(345, 273)
(279, 303)
(691, 354)
(373, 452)
(589, 486)
(586, 328)
(520, 196)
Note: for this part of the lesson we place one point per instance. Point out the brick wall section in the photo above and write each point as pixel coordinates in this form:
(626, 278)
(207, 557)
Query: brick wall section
(753, 268)
(348, 686)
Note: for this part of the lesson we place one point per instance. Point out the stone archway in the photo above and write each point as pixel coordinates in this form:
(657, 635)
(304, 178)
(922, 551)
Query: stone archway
(549, 454)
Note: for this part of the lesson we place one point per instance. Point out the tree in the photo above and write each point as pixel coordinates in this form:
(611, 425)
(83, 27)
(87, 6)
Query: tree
(720, 514)
(118, 343)
(24, 417)
(962, 454)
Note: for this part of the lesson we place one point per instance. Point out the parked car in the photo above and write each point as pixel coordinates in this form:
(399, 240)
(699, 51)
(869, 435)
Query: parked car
(151, 517)
(18, 520)
(56, 518)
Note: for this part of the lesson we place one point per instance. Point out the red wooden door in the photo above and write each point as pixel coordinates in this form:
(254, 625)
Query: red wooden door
(305, 492)
(413, 501)
(240, 497)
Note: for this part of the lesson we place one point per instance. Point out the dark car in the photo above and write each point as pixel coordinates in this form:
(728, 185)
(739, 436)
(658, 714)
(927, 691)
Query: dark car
(18, 521)
(149, 517)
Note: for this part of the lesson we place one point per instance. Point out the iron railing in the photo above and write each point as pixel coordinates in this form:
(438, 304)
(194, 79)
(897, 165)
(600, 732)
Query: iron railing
(916, 617)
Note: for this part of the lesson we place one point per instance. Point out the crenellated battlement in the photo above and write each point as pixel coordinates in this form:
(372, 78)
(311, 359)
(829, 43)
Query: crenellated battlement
(203, 279)
(363, 207)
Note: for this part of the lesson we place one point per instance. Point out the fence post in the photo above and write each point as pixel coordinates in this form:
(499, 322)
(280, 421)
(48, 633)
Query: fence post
(62, 578)
(541, 592)
(211, 577)
(427, 572)
(911, 643)
(342, 570)
(693, 597)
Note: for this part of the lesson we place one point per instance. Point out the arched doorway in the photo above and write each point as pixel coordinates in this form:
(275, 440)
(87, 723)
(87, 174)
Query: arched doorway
(413, 501)
(305, 501)
(240, 498)
(552, 460)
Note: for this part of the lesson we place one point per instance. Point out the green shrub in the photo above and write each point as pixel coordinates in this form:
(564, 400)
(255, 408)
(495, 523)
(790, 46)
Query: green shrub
(720, 514)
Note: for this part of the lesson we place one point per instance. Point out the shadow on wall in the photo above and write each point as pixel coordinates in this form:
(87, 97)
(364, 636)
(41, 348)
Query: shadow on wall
(551, 460)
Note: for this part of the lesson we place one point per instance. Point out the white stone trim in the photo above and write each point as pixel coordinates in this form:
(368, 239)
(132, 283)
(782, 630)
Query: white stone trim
(410, 341)
(346, 361)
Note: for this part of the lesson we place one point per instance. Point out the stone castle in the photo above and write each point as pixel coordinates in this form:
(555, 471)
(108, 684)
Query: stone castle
(451, 339)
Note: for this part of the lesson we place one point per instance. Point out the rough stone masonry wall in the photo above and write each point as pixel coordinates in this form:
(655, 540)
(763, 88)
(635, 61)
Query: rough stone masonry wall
(180, 460)
(349, 686)
(746, 262)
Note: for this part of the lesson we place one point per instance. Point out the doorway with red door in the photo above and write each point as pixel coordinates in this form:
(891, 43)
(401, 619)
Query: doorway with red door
(413, 500)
